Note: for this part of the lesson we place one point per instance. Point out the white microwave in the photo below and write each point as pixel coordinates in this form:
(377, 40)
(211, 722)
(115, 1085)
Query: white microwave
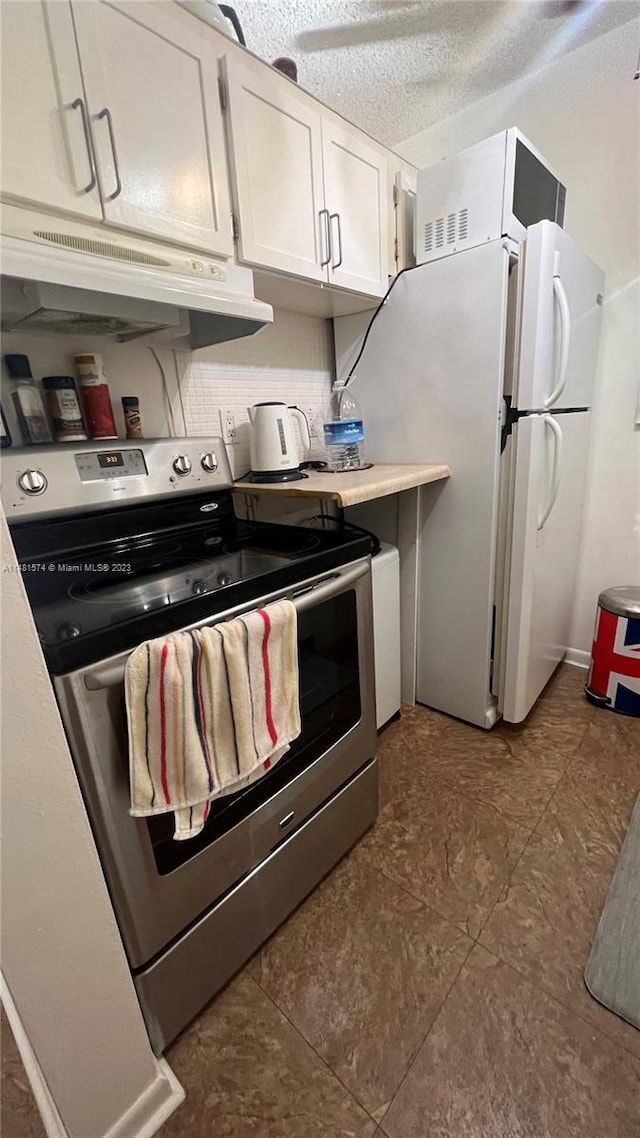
(497, 188)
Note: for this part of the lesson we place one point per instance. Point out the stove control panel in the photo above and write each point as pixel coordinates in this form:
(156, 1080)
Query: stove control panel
(111, 464)
(64, 478)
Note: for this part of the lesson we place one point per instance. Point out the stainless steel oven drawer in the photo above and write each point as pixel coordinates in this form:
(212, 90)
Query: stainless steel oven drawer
(179, 984)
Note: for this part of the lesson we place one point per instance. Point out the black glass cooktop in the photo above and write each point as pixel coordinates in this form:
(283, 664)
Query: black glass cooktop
(102, 583)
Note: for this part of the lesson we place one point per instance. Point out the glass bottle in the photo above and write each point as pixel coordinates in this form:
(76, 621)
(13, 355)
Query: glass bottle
(5, 436)
(27, 400)
(344, 431)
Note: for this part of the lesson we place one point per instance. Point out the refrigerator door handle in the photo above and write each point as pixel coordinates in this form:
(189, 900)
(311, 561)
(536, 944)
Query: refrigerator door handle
(565, 338)
(554, 486)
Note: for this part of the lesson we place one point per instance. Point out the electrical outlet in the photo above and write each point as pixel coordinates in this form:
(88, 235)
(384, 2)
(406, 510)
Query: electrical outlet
(312, 419)
(228, 424)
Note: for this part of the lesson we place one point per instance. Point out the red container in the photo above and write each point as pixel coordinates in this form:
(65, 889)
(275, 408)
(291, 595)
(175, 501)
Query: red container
(614, 676)
(95, 396)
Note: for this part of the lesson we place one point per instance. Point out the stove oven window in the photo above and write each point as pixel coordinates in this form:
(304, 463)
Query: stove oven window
(329, 705)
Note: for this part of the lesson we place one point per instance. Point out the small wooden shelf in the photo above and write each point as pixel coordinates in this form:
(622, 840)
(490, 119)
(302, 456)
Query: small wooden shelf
(352, 487)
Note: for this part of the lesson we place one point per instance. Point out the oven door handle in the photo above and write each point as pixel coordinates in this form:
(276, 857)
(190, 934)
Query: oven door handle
(326, 588)
(111, 675)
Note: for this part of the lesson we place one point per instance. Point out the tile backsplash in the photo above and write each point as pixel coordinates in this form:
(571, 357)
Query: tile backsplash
(291, 360)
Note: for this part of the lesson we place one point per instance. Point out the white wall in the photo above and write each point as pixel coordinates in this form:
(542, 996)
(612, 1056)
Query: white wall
(291, 359)
(62, 956)
(582, 113)
(130, 368)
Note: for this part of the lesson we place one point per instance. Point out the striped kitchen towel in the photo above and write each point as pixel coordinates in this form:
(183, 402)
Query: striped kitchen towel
(210, 711)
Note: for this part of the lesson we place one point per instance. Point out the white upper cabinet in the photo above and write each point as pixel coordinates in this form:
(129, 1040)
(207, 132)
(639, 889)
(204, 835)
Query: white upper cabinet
(405, 189)
(311, 194)
(275, 139)
(46, 152)
(355, 187)
(152, 92)
(111, 111)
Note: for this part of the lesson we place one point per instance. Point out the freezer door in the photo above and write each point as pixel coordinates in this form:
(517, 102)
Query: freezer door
(550, 464)
(560, 313)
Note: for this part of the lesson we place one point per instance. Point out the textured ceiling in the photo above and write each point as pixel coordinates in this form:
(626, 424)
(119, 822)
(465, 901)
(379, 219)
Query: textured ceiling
(394, 67)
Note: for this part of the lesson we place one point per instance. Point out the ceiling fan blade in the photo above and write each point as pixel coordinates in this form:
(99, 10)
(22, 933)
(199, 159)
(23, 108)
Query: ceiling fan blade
(552, 9)
(412, 19)
(350, 35)
(396, 21)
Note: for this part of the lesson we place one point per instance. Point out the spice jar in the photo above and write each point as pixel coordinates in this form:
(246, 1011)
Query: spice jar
(5, 434)
(132, 420)
(96, 400)
(27, 400)
(64, 408)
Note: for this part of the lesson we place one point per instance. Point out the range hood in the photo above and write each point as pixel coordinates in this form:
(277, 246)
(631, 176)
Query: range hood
(68, 276)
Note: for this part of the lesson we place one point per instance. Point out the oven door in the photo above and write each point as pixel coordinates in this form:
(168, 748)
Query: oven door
(160, 886)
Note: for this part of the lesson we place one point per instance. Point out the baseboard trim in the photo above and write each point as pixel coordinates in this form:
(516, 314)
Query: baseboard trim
(578, 658)
(144, 1117)
(154, 1106)
(51, 1119)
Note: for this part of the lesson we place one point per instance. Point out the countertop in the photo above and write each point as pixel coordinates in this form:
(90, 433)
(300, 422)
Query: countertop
(353, 486)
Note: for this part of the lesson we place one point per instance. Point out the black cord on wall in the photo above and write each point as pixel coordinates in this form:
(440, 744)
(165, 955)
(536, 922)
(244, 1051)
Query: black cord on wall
(372, 321)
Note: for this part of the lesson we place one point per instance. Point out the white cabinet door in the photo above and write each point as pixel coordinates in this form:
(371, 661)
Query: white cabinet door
(405, 190)
(46, 154)
(152, 90)
(355, 186)
(275, 137)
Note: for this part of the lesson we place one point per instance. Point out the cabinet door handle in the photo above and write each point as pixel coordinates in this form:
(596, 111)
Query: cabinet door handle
(105, 113)
(79, 104)
(336, 264)
(327, 235)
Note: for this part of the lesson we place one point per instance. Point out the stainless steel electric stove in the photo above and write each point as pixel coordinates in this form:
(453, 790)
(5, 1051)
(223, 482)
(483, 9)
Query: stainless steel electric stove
(123, 542)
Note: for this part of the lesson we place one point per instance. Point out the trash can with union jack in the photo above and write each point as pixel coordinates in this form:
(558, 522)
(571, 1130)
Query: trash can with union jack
(614, 676)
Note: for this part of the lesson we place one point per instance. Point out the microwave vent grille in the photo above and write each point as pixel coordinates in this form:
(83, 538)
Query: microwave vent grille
(446, 231)
(101, 248)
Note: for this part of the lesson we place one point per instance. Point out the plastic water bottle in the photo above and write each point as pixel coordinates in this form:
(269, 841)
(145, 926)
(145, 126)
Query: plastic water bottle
(344, 432)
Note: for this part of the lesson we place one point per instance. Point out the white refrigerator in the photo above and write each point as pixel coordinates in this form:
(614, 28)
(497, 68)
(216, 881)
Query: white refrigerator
(486, 360)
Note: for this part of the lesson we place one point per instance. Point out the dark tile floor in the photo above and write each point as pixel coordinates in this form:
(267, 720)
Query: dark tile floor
(431, 987)
(19, 1117)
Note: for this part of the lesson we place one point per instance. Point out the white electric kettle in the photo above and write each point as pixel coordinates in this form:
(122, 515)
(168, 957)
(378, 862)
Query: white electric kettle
(274, 448)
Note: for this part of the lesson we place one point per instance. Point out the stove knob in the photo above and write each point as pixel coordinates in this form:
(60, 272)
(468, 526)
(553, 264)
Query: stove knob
(199, 587)
(32, 482)
(68, 631)
(224, 579)
(182, 464)
(209, 462)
